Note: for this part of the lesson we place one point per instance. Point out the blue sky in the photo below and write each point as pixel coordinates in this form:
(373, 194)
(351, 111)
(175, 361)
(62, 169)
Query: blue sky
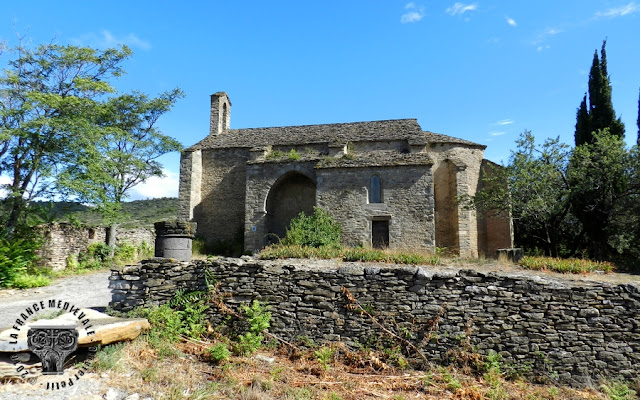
(483, 71)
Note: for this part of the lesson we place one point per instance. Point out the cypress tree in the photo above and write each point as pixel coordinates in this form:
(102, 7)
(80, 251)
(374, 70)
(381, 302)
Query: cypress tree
(600, 113)
(583, 123)
(638, 118)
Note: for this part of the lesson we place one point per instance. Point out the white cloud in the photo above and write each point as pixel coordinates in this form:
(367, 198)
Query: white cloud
(629, 9)
(460, 8)
(503, 122)
(413, 14)
(155, 187)
(543, 36)
(108, 39)
(511, 21)
(497, 133)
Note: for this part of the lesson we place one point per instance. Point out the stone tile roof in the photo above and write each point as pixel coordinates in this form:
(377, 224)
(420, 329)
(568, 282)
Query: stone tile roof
(399, 129)
(376, 159)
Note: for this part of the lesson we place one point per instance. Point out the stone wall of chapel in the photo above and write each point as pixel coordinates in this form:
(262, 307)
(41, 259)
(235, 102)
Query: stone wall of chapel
(467, 160)
(220, 212)
(407, 203)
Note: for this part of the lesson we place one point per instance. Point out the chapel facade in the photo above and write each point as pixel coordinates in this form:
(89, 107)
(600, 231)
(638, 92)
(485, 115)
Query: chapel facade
(388, 184)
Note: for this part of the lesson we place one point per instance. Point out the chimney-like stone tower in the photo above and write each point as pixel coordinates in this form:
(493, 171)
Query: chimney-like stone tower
(220, 112)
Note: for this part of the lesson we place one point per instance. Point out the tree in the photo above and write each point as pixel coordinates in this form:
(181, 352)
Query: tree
(49, 99)
(599, 114)
(534, 190)
(124, 155)
(638, 141)
(602, 178)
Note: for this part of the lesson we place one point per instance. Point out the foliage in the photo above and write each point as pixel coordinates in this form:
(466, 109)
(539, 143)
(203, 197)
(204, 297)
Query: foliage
(324, 355)
(108, 358)
(16, 256)
(533, 188)
(192, 308)
(49, 100)
(27, 281)
(165, 322)
(126, 253)
(124, 154)
(599, 115)
(219, 352)
(566, 265)
(618, 390)
(603, 176)
(259, 319)
(316, 230)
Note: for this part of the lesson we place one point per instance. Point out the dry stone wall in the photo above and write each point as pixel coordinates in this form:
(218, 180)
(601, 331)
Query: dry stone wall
(62, 240)
(577, 331)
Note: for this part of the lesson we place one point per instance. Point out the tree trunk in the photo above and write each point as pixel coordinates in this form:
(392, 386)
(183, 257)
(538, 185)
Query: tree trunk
(111, 239)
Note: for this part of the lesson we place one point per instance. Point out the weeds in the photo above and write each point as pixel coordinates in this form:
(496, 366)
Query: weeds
(324, 355)
(107, 358)
(220, 353)
(618, 390)
(259, 320)
(565, 265)
(281, 251)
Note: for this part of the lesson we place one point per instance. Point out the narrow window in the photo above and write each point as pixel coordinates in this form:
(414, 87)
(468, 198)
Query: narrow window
(375, 190)
(380, 234)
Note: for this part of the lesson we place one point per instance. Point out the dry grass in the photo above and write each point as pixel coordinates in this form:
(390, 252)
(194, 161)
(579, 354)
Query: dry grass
(298, 375)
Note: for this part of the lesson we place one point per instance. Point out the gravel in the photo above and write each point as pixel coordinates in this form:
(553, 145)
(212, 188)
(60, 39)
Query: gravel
(85, 291)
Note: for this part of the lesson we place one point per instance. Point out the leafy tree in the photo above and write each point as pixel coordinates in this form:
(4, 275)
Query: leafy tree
(533, 189)
(600, 113)
(124, 155)
(603, 180)
(49, 99)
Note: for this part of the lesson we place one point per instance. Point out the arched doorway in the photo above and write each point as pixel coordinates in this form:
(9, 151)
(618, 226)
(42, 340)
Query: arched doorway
(290, 195)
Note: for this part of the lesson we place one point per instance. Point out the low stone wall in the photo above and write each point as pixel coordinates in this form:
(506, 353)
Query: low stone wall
(63, 239)
(577, 331)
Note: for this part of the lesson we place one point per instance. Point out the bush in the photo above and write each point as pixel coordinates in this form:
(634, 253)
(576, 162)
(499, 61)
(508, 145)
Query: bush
(125, 253)
(219, 352)
(26, 281)
(316, 230)
(16, 256)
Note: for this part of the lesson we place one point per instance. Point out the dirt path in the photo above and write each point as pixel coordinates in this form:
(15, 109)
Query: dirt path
(90, 290)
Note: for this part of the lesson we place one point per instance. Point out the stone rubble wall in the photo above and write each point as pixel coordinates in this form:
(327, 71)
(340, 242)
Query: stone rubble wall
(577, 331)
(62, 240)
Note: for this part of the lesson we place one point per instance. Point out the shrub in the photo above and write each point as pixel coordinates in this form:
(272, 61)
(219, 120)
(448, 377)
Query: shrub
(125, 253)
(26, 281)
(315, 230)
(16, 256)
(219, 352)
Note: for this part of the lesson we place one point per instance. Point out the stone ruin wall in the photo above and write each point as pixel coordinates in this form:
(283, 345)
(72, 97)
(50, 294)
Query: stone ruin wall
(577, 331)
(63, 239)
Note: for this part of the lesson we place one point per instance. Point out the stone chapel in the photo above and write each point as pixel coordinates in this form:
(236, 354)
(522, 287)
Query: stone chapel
(388, 183)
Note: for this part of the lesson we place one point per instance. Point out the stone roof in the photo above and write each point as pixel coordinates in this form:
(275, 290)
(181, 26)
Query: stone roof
(376, 159)
(399, 129)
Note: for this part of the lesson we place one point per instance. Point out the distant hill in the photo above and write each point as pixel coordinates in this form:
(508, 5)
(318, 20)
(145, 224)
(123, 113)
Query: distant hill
(138, 213)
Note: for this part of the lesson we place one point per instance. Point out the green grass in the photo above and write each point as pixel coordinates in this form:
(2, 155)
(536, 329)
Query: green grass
(565, 265)
(280, 251)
